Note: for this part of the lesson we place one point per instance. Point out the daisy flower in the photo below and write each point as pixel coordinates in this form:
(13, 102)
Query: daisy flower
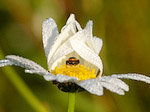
(73, 60)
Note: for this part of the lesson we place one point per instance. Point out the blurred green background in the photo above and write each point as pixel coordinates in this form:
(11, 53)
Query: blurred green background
(124, 26)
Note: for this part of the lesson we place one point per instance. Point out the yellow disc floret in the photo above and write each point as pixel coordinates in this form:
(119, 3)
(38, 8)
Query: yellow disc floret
(79, 71)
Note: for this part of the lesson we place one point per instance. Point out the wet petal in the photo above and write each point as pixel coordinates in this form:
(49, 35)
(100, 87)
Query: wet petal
(132, 76)
(67, 33)
(98, 43)
(92, 85)
(64, 78)
(85, 34)
(23, 62)
(71, 20)
(94, 43)
(89, 36)
(5, 62)
(89, 27)
(112, 88)
(31, 71)
(115, 81)
(49, 33)
(49, 77)
(30, 66)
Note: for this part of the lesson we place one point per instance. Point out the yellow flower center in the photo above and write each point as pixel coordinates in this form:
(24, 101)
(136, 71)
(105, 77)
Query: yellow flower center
(79, 71)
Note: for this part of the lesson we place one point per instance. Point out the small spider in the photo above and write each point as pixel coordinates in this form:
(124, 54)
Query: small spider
(72, 61)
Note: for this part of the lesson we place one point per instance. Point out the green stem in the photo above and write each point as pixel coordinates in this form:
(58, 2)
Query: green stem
(71, 102)
(23, 89)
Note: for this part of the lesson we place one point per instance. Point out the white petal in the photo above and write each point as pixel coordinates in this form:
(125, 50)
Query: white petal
(64, 50)
(89, 39)
(32, 71)
(71, 20)
(89, 26)
(61, 38)
(86, 53)
(5, 62)
(115, 81)
(78, 26)
(92, 85)
(49, 77)
(64, 78)
(112, 88)
(23, 62)
(93, 42)
(132, 76)
(30, 66)
(49, 32)
(85, 34)
(98, 43)
(71, 23)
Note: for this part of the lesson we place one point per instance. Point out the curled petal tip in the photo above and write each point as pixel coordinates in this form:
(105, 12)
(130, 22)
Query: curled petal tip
(89, 23)
(89, 26)
(71, 18)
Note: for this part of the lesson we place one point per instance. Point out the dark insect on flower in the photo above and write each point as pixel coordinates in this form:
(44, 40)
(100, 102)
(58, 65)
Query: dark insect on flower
(72, 61)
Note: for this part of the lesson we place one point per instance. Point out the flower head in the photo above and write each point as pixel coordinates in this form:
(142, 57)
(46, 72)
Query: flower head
(73, 60)
(73, 41)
